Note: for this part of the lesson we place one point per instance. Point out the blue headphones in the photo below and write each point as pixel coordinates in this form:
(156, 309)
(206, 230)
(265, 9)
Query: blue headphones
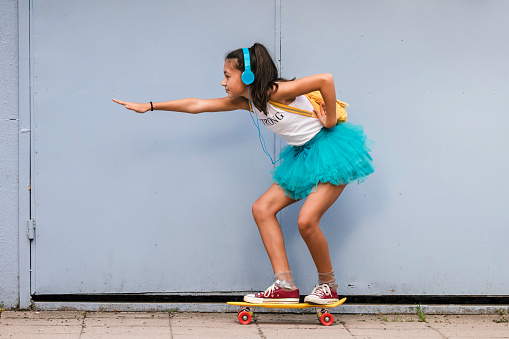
(247, 76)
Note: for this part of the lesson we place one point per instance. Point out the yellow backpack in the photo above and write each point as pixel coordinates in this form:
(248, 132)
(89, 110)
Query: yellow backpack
(315, 98)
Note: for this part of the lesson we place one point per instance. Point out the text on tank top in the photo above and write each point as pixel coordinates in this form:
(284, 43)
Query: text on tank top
(293, 128)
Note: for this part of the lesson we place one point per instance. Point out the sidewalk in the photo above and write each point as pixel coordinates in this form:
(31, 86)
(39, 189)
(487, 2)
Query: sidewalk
(76, 324)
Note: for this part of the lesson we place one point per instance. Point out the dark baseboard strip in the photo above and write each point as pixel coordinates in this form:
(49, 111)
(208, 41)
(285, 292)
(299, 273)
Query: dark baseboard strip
(222, 298)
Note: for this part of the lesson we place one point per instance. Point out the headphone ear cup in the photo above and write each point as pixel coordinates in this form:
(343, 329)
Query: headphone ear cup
(248, 77)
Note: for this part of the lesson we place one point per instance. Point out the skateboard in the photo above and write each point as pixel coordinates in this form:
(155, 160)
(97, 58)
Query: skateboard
(245, 314)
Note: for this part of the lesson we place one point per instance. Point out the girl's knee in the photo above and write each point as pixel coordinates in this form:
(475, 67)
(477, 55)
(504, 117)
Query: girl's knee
(307, 224)
(260, 209)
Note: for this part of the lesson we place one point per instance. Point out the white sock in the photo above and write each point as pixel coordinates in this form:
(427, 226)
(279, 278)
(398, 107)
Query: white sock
(329, 279)
(285, 281)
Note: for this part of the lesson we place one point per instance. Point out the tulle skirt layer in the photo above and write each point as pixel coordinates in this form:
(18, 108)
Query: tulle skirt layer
(338, 155)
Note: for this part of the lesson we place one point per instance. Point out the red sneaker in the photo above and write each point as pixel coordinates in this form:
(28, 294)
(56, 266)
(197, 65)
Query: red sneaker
(323, 295)
(274, 294)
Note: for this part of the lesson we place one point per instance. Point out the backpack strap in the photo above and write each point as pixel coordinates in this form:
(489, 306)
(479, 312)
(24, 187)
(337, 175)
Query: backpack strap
(292, 109)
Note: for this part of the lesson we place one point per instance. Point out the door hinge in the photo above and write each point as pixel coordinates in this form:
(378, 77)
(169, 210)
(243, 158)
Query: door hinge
(31, 229)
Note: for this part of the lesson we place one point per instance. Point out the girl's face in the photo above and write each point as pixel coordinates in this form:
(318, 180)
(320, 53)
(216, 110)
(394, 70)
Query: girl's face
(232, 80)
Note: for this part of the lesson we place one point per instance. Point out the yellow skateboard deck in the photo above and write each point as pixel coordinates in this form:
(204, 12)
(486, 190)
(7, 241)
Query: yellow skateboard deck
(299, 305)
(245, 314)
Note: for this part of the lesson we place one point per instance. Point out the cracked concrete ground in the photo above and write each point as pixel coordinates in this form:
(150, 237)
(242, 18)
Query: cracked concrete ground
(76, 324)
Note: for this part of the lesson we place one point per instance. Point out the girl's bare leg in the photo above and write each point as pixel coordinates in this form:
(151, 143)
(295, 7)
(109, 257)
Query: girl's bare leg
(264, 213)
(317, 203)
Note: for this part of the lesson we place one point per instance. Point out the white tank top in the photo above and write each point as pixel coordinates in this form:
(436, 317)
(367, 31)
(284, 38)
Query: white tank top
(293, 128)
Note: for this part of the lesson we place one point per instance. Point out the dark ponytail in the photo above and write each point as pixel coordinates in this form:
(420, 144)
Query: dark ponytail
(265, 71)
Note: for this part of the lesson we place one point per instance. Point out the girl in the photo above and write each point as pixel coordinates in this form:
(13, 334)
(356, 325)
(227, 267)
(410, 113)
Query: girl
(321, 159)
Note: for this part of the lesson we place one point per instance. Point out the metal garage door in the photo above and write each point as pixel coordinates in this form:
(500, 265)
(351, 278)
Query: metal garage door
(128, 203)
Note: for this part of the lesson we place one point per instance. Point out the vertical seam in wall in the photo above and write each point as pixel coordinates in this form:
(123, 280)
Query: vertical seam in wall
(277, 145)
(30, 106)
(33, 213)
(24, 152)
(30, 140)
(278, 34)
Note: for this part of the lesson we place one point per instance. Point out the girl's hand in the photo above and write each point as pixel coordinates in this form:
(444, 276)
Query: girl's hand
(322, 115)
(139, 108)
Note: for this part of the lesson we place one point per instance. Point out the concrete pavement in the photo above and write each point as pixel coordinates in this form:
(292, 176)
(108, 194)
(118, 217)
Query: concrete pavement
(76, 324)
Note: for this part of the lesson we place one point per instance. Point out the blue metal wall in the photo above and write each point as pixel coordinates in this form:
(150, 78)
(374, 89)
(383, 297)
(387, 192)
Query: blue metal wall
(161, 202)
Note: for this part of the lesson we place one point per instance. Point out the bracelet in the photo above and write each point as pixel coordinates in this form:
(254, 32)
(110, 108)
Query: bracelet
(151, 106)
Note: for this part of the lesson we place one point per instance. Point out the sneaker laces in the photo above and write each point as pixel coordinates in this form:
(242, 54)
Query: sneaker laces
(269, 290)
(322, 290)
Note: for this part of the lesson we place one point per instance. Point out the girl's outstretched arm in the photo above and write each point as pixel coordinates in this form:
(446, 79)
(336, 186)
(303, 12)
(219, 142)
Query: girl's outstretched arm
(189, 105)
(321, 82)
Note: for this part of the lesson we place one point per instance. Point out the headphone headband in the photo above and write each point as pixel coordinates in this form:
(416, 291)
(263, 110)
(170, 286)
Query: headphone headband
(247, 76)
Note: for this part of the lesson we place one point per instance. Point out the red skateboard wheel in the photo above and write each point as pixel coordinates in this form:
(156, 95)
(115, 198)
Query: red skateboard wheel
(244, 317)
(326, 319)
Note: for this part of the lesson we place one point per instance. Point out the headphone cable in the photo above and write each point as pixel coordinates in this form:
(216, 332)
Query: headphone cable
(257, 124)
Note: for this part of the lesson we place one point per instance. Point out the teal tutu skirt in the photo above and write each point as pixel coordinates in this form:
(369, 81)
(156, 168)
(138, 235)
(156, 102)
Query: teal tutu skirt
(338, 155)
